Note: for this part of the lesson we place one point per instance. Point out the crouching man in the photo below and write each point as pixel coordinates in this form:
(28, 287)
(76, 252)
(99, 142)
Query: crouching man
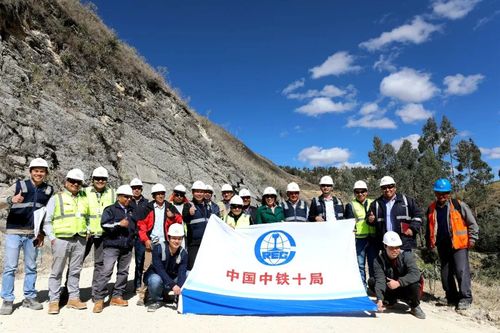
(118, 224)
(168, 270)
(397, 276)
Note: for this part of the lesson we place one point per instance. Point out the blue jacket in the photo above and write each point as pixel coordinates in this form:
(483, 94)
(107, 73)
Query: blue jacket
(196, 223)
(174, 266)
(115, 235)
(318, 208)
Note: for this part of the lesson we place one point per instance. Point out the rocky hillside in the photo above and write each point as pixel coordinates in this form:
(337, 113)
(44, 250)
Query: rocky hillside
(73, 93)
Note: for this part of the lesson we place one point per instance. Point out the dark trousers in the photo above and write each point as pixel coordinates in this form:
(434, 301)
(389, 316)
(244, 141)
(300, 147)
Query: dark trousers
(192, 252)
(455, 264)
(409, 293)
(139, 251)
(95, 242)
(122, 258)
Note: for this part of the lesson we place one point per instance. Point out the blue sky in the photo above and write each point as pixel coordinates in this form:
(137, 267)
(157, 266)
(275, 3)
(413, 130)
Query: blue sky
(308, 83)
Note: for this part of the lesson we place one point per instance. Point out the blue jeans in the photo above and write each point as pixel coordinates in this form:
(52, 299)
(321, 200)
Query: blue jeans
(140, 250)
(13, 245)
(366, 250)
(155, 286)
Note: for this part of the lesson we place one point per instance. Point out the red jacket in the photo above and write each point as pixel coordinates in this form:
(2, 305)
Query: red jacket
(145, 226)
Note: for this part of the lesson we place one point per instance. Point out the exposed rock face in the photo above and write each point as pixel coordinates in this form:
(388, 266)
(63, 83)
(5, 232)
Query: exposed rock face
(70, 92)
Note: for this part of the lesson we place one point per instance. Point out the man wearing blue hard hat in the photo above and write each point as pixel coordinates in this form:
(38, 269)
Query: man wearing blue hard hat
(453, 230)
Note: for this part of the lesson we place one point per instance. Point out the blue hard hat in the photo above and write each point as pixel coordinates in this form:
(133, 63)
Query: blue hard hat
(442, 185)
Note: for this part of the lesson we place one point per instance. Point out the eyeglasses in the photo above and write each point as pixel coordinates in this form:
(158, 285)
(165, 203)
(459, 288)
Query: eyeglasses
(74, 181)
(267, 196)
(128, 197)
(293, 193)
(100, 179)
(325, 185)
(360, 191)
(387, 187)
(179, 194)
(136, 188)
(236, 207)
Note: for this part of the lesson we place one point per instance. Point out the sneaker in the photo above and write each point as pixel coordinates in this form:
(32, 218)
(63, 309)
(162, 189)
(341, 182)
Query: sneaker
(154, 306)
(418, 312)
(463, 304)
(54, 307)
(7, 308)
(75, 303)
(32, 304)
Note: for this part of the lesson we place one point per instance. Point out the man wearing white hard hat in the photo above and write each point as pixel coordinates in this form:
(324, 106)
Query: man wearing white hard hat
(248, 209)
(326, 207)
(270, 211)
(235, 218)
(366, 248)
(178, 197)
(23, 198)
(140, 207)
(196, 216)
(153, 228)
(66, 227)
(294, 208)
(397, 276)
(169, 269)
(395, 212)
(209, 194)
(118, 225)
(227, 192)
(99, 196)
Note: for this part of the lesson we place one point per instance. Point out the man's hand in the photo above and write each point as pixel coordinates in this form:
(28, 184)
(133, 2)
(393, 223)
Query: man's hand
(124, 223)
(380, 306)
(371, 218)
(191, 210)
(409, 232)
(53, 242)
(393, 284)
(18, 198)
(177, 290)
(39, 240)
(319, 218)
(148, 245)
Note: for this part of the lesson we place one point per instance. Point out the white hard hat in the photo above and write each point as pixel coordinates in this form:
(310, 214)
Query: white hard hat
(210, 188)
(236, 200)
(76, 174)
(244, 193)
(270, 191)
(326, 180)
(293, 187)
(360, 185)
(387, 180)
(180, 188)
(136, 182)
(158, 188)
(226, 188)
(176, 230)
(198, 185)
(392, 239)
(100, 172)
(38, 163)
(124, 189)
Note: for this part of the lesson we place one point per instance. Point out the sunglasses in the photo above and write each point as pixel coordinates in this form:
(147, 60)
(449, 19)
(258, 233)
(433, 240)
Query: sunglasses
(324, 185)
(236, 207)
(136, 188)
(179, 194)
(387, 187)
(360, 191)
(100, 179)
(293, 193)
(245, 198)
(128, 197)
(442, 193)
(74, 181)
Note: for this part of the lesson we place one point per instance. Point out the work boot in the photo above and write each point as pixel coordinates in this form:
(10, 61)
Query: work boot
(418, 312)
(75, 303)
(98, 306)
(54, 307)
(32, 304)
(7, 308)
(118, 301)
(463, 304)
(443, 301)
(154, 306)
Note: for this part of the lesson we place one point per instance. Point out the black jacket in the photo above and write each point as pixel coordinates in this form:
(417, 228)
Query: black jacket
(115, 235)
(318, 208)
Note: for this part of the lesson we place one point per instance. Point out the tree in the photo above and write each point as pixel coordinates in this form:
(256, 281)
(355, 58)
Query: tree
(447, 133)
(406, 168)
(430, 136)
(383, 158)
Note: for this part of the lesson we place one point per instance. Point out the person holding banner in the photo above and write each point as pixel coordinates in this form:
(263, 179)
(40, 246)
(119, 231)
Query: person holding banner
(270, 211)
(326, 207)
(24, 198)
(248, 209)
(294, 208)
(169, 269)
(236, 218)
(397, 276)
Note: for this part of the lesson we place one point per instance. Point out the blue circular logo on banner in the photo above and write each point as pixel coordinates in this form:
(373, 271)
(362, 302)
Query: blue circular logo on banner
(275, 248)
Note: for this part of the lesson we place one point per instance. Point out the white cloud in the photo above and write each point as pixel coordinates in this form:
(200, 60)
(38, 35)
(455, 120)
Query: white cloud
(327, 91)
(293, 86)
(453, 9)
(462, 85)
(371, 117)
(371, 108)
(413, 138)
(336, 64)
(411, 113)
(408, 85)
(316, 156)
(465, 134)
(417, 32)
(321, 105)
(491, 153)
(384, 63)
(485, 20)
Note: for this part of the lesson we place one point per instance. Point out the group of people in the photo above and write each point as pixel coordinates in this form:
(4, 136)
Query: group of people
(165, 235)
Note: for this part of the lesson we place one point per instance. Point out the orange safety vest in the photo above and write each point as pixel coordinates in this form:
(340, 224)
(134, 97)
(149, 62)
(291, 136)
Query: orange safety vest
(456, 223)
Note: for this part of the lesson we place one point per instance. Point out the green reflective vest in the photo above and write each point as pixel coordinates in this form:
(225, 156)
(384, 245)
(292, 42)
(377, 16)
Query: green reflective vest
(363, 229)
(96, 207)
(70, 214)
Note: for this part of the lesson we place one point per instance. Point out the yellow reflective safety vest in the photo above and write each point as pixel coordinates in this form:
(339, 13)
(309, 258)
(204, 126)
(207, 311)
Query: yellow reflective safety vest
(96, 207)
(70, 214)
(243, 221)
(363, 229)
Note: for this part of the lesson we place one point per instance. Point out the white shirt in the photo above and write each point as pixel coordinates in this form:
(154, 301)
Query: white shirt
(159, 221)
(388, 208)
(330, 210)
